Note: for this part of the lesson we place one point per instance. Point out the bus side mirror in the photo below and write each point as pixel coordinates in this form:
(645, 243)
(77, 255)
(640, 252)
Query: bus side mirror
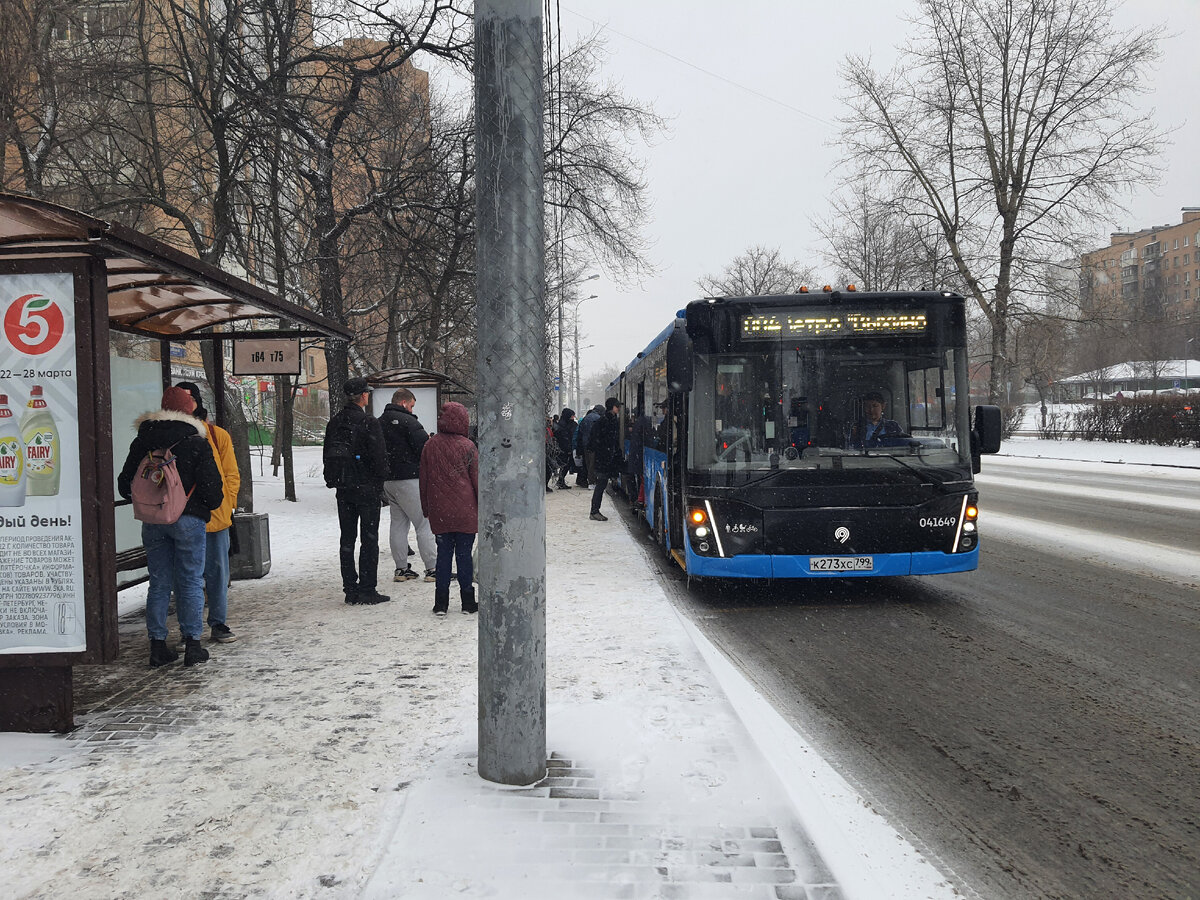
(985, 436)
(680, 372)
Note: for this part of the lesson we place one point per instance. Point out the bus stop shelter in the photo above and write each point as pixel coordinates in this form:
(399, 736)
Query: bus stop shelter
(68, 283)
(431, 389)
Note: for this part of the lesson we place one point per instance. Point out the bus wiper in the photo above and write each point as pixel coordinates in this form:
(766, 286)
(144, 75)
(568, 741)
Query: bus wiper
(774, 473)
(920, 473)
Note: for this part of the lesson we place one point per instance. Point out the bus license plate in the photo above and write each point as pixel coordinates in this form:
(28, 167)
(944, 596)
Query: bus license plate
(841, 563)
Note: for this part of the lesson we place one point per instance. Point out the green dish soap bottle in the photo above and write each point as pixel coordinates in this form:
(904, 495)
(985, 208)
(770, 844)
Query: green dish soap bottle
(43, 457)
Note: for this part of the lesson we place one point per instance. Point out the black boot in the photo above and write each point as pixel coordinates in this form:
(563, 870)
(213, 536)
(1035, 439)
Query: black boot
(161, 654)
(468, 601)
(441, 601)
(194, 653)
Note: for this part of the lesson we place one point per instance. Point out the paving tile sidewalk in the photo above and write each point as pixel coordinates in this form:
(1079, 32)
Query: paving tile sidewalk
(654, 787)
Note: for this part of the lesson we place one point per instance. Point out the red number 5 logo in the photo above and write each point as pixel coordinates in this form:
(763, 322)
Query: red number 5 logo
(34, 324)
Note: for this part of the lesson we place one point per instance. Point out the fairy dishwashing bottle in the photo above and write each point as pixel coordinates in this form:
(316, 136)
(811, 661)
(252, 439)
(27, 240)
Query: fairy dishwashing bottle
(12, 458)
(43, 459)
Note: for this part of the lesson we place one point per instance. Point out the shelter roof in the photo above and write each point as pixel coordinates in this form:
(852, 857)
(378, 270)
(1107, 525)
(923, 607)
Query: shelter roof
(153, 288)
(402, 376)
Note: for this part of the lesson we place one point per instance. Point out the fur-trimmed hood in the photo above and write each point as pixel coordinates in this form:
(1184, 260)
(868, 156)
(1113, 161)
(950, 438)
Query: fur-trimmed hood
(167, 415)
(197, 467)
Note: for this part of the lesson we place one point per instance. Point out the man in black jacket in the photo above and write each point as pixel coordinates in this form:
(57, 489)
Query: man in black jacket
(356, 464)
(583, 437)
(404, 437)
(564, 434)
(605, 444)
(175, 552)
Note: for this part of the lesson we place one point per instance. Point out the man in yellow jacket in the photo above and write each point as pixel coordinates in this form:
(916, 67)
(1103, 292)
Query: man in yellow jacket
(216, 556)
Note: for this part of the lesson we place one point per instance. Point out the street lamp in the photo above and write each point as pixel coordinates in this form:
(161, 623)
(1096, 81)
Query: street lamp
(562, 288)
(578, 304)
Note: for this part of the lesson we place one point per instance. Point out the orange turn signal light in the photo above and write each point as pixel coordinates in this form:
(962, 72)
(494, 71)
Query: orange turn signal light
(972, 512)
(698, 516)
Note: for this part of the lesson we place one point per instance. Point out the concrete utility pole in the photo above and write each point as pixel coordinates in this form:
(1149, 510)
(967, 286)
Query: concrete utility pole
(510, 251)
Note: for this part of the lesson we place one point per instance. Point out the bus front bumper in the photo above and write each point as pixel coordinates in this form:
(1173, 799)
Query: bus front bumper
(882, 564)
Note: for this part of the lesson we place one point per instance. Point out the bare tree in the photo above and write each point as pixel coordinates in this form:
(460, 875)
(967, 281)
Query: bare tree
(1008, 123)
(321, 90)
(596, 190)
(757, 272)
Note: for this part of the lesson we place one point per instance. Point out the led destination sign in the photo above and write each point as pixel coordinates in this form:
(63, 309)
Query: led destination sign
(828, 322)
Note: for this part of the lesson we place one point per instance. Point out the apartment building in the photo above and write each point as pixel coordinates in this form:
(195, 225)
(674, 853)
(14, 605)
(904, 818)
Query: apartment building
(1153, 272)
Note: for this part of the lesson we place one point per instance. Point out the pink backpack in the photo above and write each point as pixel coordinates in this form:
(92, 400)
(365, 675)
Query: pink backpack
(158, 494)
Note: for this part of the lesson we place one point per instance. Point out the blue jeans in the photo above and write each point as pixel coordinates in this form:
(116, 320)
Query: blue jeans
(175, 560)
(454, 550)
(216, 575)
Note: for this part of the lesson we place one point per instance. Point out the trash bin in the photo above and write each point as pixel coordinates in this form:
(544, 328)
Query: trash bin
(253, 559)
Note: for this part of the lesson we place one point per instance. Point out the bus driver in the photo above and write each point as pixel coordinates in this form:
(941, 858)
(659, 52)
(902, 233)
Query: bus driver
(873, 428)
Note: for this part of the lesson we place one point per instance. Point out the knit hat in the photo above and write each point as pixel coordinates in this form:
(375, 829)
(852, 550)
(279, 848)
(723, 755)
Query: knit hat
(200, 412)
(176, 399)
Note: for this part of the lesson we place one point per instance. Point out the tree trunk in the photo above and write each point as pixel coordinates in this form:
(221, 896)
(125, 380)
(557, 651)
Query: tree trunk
(285, 403)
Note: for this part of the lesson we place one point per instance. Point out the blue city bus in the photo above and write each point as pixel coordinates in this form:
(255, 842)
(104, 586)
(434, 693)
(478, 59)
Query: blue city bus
(760, 455)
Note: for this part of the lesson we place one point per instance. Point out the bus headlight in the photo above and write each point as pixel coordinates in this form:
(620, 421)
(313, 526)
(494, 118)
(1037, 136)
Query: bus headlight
(702, 529)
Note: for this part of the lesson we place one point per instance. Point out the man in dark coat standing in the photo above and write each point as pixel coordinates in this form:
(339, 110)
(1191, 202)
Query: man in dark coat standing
(356, 464)
(175, 553)
(605, 444)
(564, 435)
(583, 437)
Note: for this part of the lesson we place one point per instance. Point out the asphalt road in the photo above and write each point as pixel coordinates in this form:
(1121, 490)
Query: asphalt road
(1033, 727)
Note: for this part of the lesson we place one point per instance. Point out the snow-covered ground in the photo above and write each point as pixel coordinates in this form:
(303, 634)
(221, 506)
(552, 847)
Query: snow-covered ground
(328, 752)
(1099, 451)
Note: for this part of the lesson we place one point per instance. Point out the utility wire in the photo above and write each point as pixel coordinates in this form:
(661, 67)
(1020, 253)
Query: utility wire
(709, 73)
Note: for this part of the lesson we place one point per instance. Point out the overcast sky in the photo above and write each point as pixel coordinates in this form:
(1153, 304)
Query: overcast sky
(751, 91)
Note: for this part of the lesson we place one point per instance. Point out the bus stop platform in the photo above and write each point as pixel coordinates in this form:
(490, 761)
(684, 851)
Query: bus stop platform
(331, 751)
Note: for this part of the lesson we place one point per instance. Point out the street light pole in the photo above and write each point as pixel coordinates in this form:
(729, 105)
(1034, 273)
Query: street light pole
(577, 305)
(562, 296)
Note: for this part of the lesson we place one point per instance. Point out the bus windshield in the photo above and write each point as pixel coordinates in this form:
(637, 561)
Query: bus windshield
(830, 406)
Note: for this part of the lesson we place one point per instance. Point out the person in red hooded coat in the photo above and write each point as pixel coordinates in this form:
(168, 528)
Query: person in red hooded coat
(449, 481)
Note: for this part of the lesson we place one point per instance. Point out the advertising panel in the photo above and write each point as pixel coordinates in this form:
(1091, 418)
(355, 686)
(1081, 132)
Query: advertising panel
(41, 528)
